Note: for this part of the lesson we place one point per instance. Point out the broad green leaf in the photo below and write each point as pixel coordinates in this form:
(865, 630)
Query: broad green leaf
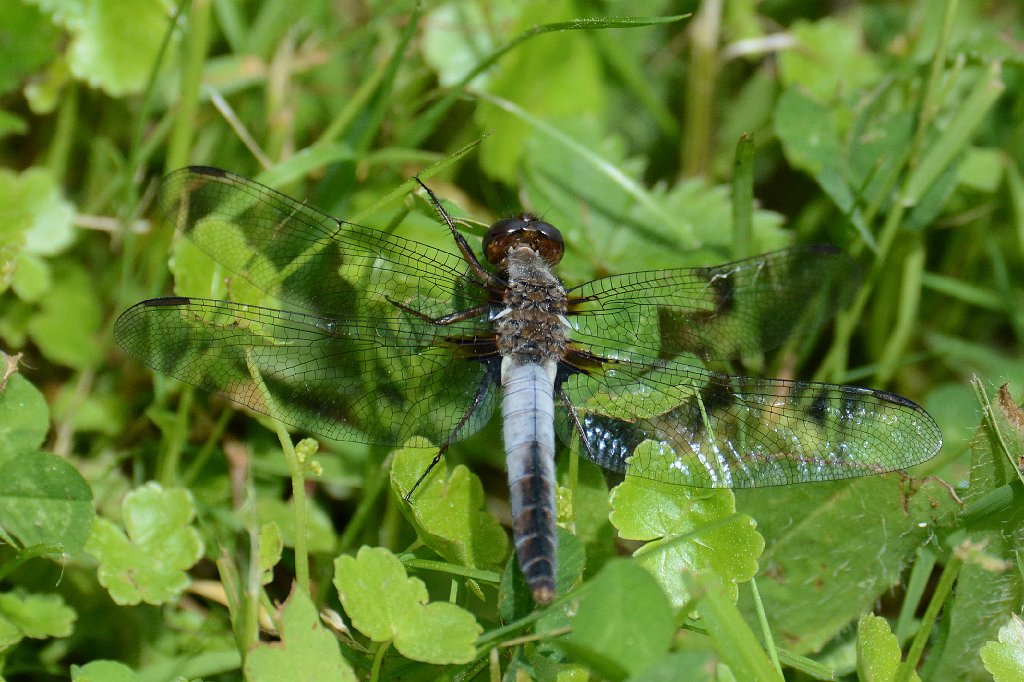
(693, 666)
(447, 510)
(114, 43)
(44, 500)
(623, 623)
(146, 562)
(67, 326)
(811, 142)
(878, 651)
(307, 650)
(880, 144)
(28, 40)
(456, 36)
(687, 530)
(38, 615)
(103, 671)
(24, 417)
(818, 534)
(829, 61)
(1005, 658)
(986, 590)
(387, 605)
(568, 66)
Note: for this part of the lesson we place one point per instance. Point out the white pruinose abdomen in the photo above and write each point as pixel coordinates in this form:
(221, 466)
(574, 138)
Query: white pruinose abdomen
(528, 427)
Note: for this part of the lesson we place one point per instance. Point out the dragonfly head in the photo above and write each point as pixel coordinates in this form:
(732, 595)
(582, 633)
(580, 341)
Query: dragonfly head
(523, 230)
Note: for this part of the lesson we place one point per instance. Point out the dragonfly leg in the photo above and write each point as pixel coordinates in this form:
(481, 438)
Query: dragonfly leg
(460, 241)
(481, 394)
(460, 316)
(575, 418)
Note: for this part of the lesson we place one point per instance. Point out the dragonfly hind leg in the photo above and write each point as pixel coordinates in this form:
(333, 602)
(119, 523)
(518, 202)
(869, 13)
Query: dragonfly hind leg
(481, 394)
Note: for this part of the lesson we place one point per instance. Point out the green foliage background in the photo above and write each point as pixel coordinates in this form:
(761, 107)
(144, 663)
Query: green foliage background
(153, 533)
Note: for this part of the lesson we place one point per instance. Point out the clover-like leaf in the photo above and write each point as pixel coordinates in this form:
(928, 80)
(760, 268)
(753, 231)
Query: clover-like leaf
(385, 604)
(1005, 658)
(878, 651)
(37, 615)
(307, 650)
(114, 43)
(149, 563)
(448, 510)
(646, 510)
(34, 219)
(32, 205)
(28, 38)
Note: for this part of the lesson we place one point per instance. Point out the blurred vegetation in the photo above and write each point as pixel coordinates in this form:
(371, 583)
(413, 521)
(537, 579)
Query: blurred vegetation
(148, 529)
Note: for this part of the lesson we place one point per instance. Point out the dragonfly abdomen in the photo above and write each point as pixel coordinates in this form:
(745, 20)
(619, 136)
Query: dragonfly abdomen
(528, 412)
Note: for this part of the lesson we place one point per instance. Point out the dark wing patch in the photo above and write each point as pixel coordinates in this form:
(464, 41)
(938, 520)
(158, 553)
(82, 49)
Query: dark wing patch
(717, 312)
(715, 430)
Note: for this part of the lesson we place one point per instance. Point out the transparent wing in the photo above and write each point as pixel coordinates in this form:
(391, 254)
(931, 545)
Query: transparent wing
(714, 430)
(719, 312)
(306, 258)
(348, 359)
(377, 380)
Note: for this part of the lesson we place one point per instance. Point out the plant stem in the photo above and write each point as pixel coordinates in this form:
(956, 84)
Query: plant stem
(939, 597)
(198, 39)
(766, 632)
(297, 471)
(700, 101)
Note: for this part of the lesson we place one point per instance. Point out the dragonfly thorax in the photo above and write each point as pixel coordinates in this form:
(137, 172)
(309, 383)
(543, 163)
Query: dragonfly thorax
(532, 326)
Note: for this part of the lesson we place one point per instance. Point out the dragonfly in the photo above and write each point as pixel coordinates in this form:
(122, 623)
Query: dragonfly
(377, 338)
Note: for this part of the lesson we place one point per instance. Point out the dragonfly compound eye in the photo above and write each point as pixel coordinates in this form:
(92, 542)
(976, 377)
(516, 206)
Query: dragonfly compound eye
(524, 230)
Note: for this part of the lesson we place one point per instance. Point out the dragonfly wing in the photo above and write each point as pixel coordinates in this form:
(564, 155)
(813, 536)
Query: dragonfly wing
(376, 380)
(719, 312)
(714, 430)
(306, 258)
